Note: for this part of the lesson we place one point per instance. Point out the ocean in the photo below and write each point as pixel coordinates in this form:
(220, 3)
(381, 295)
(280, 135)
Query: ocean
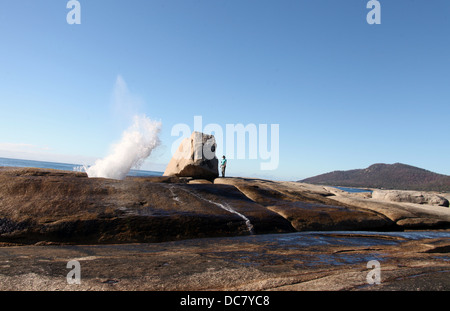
(352, 190)
(64, 166)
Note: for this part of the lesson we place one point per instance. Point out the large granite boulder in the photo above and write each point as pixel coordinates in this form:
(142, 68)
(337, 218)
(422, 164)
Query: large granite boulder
(407, 211)
(410, 197)
(195, 157)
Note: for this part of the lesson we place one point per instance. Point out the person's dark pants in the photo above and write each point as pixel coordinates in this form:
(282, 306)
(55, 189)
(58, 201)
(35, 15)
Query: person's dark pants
(223, 171)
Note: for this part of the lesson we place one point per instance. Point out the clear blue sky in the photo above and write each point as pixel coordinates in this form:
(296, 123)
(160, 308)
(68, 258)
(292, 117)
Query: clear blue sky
(346, 94)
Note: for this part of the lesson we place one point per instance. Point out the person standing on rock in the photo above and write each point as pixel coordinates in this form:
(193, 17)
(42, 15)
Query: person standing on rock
(223, 165)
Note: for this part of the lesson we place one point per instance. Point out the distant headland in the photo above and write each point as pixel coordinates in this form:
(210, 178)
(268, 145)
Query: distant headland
(385, 176)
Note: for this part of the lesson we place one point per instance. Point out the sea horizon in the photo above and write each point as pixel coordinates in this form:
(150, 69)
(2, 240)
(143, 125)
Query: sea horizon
(72, 167)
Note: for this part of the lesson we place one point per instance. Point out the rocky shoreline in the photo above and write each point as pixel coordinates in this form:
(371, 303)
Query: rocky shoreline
(49, 206)
(173, 233)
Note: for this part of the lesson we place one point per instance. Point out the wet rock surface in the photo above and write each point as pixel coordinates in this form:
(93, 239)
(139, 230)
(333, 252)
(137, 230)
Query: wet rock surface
(282, 262)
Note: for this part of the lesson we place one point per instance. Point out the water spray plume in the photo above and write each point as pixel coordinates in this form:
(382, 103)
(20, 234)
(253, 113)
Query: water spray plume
(136, 144)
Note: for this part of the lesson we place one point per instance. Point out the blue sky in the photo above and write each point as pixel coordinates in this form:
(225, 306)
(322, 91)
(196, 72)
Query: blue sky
(345, 94)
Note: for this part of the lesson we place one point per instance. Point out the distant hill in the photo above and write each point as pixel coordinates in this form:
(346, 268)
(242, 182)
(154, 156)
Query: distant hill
(388, 176)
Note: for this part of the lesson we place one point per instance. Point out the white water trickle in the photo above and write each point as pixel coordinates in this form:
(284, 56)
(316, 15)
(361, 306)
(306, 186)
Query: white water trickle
(225, 207)
(174, 196)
